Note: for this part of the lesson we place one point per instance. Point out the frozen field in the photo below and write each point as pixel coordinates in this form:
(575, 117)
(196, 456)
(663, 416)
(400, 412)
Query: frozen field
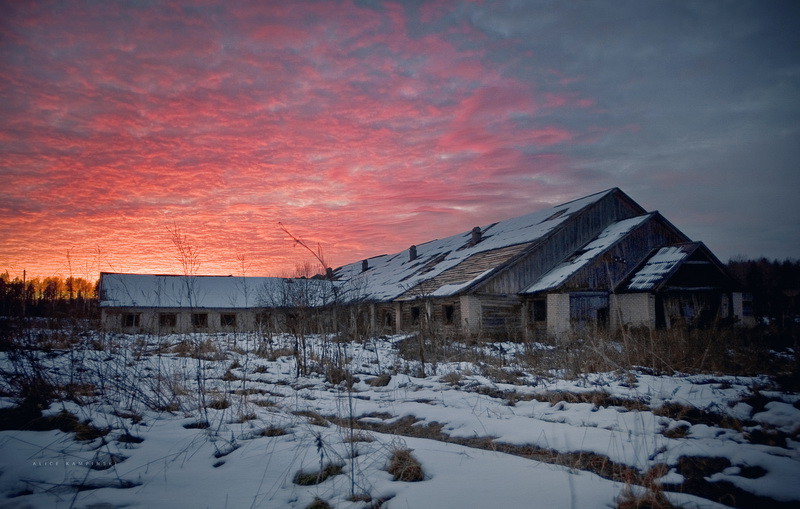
(244, 421)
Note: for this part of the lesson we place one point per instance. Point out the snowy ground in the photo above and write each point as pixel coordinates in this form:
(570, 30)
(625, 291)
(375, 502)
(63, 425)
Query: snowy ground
(148, 431)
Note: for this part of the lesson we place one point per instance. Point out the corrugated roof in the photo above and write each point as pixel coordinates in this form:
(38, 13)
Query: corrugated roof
(172, 291)
(660, 266)
(390, 276)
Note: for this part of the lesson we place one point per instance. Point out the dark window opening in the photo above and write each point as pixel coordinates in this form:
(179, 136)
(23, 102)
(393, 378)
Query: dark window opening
(388, 319)
(227, 320)
(448, 311)
(602, 317)
(130, 320)
(264, 318)
(167, 319)
(539, 310)
(415, 313)
(661, 316)
(200, 320)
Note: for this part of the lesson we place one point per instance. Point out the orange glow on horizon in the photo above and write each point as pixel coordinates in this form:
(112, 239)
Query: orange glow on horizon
(366, 127)
(357, 135)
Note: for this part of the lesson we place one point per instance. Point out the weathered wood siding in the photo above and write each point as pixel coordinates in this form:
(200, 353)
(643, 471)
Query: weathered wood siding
(500, 315)
(544, 255)
(608, 270)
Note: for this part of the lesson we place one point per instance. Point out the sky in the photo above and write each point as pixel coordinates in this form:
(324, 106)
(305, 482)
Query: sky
(364, 127)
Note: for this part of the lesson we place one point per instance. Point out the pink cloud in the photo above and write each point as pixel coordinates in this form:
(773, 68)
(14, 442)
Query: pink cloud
(122, 121)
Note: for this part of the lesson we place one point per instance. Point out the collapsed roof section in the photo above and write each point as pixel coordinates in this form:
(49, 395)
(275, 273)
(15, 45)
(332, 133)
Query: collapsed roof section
(689, 266)
(467, 258)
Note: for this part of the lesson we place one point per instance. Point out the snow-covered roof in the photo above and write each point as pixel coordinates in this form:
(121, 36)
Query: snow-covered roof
(390, 276)
(170, 291)
(659, 266)
(606, 239)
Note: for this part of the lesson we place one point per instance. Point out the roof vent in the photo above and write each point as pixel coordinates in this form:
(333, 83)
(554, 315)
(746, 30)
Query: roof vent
(364, 265)
(412, 253)
(476, 236)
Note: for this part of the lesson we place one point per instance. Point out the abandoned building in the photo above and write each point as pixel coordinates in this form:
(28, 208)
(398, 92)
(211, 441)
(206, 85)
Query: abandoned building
(174, 304)
(598, 261)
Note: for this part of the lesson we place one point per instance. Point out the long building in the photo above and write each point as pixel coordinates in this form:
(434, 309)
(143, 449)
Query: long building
(598, 261)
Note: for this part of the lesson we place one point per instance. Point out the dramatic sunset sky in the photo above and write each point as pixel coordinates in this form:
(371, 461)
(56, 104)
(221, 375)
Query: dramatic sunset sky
(369, 126)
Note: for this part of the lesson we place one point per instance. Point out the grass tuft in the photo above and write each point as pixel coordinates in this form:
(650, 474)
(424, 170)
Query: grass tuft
(405, 467)
(304, 478)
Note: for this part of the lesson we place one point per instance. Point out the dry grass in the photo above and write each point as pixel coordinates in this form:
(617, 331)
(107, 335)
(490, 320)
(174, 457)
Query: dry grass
(646, 499)
(405, 467)
(219, 403)
(381, 380)
(273, 431)
(313, 417)
(452, 378)
(358, 437)
(318, 503)
(305, 478)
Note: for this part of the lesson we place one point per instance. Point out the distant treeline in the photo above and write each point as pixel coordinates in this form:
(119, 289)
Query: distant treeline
(47, 297)
(775, 287)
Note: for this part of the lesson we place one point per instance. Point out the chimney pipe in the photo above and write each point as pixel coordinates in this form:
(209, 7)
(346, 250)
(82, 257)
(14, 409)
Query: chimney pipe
(364, 265)
(412, 253)
(476, 236)
(329, 273)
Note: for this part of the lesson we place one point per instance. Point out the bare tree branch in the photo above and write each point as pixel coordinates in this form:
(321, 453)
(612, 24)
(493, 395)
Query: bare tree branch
(297, 241)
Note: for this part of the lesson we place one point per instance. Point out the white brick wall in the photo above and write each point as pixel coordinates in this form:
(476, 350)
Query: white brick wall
(557, 313)
(470, 313)
(633, 309)
(738, 311)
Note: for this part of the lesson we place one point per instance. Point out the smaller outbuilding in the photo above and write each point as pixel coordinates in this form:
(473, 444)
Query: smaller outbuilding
(171, 303)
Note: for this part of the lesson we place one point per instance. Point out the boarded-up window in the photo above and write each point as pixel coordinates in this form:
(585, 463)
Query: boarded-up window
(130, 320)
(493, 317)
(200, 320)
(589, 308)
(227, 320)
(167, 319)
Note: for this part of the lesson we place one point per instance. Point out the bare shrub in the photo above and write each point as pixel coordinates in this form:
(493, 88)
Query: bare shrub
(336, 374)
